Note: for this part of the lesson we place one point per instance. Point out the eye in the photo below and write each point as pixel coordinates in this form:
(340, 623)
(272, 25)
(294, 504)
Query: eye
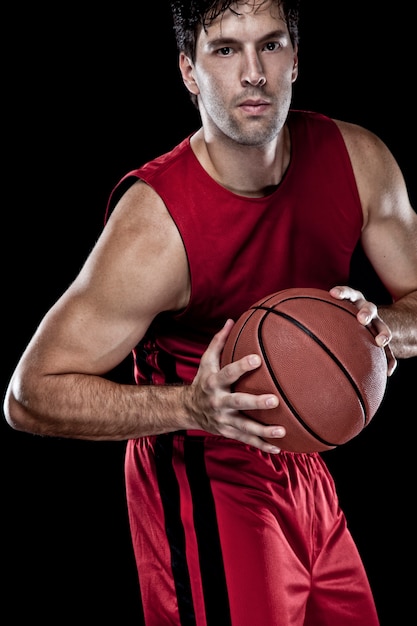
(272, 45)
(225, 51)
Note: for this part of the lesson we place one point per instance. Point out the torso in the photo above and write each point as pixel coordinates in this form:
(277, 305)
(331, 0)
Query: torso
(306, 231)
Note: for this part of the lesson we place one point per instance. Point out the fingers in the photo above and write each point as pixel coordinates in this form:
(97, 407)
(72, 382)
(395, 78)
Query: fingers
(218, 341)
(392, 361)
(231, 372)
(251, 433)
(215, 408)
(366, 310)
(230, 407)
(235, 425)
(368, 314)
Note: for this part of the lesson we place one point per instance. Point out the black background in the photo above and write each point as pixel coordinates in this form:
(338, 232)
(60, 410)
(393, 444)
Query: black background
(87, 95)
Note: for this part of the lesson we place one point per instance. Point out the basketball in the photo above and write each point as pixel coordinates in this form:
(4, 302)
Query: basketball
(324, 366)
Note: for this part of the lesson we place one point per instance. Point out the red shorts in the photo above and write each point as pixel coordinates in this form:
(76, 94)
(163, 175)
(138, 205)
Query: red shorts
(225, 534)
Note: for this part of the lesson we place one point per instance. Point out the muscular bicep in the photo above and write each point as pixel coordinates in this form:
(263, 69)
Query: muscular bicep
(390, 243)
(137, 269)
(389, 234)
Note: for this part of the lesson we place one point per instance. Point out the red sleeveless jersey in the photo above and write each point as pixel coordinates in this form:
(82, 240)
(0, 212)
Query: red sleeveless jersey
(241, 249)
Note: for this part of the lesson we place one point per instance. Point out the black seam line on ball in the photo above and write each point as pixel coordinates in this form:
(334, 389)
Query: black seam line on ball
(265, 307)
(324, 347)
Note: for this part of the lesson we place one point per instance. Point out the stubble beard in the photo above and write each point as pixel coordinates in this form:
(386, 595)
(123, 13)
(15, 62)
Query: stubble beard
(253, 132)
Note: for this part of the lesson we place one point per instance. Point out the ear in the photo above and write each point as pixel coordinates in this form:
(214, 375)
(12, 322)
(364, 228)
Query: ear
(187, 73)
(295, 65)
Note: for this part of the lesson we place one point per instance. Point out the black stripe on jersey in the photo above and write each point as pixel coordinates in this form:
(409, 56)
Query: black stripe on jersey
(205, 523)
(149, 360)
(170, 495)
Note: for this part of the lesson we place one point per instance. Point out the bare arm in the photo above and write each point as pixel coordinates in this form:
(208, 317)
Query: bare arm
(389, 235)
(137, 269)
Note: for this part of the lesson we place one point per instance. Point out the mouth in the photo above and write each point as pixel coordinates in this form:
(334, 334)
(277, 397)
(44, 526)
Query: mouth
(254, 107)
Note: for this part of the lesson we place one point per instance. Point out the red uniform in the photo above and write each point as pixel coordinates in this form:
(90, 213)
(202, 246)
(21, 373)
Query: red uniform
(223, 533)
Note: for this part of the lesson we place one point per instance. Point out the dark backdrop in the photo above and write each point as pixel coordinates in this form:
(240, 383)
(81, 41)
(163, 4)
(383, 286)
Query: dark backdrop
(89, 94)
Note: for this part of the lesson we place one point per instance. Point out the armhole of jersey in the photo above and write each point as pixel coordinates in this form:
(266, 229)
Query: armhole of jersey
(118, 191)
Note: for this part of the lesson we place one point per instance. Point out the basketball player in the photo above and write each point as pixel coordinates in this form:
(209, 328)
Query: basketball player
(226, 529)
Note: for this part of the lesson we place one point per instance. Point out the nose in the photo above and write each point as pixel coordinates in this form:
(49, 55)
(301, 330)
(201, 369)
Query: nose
(252, 71)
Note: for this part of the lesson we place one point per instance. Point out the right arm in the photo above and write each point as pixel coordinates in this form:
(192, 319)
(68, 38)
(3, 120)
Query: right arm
(137, 269)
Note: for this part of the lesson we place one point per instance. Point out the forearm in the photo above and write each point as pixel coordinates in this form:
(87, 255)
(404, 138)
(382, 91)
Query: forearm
(90, 407)
(401, 318)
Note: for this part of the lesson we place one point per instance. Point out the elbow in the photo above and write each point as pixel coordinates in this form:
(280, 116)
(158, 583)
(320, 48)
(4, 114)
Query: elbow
(16, 412)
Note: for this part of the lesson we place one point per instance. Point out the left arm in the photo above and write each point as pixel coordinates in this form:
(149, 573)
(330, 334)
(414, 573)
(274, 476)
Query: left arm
(389, 235)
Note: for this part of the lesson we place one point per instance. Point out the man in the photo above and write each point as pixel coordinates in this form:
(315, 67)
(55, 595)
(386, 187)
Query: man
(226, 528)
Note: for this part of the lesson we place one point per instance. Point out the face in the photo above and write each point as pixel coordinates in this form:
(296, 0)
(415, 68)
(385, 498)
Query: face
(243, 73)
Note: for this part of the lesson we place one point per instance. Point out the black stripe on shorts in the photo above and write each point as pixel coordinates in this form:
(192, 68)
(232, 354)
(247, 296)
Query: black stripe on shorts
(205, 522)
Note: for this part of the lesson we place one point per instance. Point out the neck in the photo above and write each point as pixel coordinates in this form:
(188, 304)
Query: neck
(252, 171)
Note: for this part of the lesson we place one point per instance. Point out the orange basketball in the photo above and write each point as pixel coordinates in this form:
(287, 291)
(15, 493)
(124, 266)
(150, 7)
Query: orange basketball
(325, 367)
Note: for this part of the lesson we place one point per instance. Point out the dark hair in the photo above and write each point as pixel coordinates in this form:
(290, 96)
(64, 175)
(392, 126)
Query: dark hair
(190, 16)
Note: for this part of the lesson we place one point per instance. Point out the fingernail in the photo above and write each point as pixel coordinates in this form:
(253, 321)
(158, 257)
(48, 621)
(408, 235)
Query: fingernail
(272, 402)
(274, 450)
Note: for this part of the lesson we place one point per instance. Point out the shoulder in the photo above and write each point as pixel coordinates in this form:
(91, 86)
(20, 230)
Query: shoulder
(141, 239)
(142, 219)
(139, 207)
(377, 173)
(365, 148)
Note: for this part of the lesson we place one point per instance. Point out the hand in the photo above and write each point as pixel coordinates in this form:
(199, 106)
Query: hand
(368, 314)
(216, 409)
